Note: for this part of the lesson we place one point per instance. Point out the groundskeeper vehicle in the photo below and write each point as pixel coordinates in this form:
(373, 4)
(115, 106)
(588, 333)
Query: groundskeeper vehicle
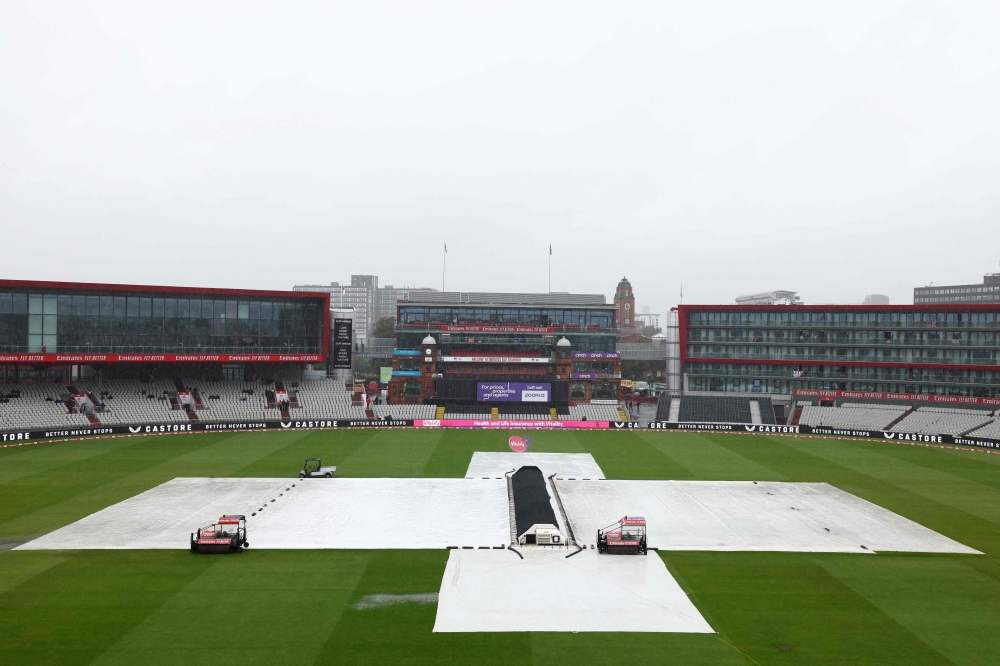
(626, 537)
(229, 535)
(314, 469)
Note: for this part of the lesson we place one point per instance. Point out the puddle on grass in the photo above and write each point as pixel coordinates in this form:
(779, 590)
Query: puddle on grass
(371, 601)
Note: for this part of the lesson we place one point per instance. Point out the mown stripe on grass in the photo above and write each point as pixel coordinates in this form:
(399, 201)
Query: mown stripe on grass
(785, 608)
(706, 460)
(382, 456)
(950, 606)
(626, 455)
(273, 607)
(16, 568)
(73, 612)
(332, 446)
(20, 463)
(949, 462)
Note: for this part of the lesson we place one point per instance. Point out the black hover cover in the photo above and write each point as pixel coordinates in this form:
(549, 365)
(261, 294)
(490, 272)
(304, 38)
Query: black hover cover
(531, 499)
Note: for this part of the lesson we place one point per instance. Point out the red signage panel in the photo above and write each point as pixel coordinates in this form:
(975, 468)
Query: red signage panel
(498, 329)
(161, 358)
(909, 397)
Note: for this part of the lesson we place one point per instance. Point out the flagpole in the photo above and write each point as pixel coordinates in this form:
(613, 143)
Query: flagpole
(550, 268)
(444, 265)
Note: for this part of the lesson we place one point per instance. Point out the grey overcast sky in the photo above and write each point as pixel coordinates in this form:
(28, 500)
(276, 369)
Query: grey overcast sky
(837, 149)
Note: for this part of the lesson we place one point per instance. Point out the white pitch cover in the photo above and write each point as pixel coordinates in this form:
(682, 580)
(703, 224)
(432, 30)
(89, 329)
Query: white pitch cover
(546, 591)
(568, 465)
(314, 513)
(743, 515)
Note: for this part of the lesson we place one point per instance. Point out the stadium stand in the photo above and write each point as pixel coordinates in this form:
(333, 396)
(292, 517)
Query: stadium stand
(40, 406)
(594, 413)
(855, 416)
(722, 409)
(131, 401)
(989, 431)
(404, 412)
(943, 421)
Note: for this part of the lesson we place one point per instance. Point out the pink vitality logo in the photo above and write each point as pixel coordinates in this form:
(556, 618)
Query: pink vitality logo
(519, 444)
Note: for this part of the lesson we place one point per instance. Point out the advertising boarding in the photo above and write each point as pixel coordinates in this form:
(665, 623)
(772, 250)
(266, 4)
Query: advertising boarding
(512, 392)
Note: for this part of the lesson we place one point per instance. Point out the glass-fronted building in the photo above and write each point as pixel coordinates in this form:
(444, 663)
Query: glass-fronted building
(48, 322)
(940, 350)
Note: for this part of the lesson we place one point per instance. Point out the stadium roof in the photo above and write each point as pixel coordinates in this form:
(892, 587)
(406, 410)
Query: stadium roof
(494, 298)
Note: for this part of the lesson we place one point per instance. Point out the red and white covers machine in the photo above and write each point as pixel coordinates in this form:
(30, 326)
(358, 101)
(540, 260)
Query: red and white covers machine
(626, 537)
(229, 535)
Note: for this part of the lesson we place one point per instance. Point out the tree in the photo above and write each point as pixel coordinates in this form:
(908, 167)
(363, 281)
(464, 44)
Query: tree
(384, 328)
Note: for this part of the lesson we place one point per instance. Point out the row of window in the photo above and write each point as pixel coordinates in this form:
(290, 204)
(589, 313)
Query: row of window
(929, 337)
(810, 318)
(914, 374)
(120, 307)
(940, 291)
(847, 354)
(785, 387)
(410, 314)
(453, 343)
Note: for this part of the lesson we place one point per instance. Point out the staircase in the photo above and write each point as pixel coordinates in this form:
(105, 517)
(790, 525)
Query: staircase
(755, 412)
(285, 416)
(494, 414)
(191, 415)
(93, 419)
(370, 413)
(439, 414)
(553, 414)
(675, 410)
(622, 415)
(796, 414)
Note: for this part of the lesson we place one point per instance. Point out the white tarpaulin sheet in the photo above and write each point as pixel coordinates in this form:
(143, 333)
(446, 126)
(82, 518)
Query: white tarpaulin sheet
(546, 591)
(570, 465)
(742, 515)
(315, 513)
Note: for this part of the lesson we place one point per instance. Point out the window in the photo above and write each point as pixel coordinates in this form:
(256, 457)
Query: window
(578, 391)
(604, 391)
(411, 388)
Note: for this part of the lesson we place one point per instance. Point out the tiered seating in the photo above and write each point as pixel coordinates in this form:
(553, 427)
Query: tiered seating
(227, 401)
(31, 411)
(943, 421)
(712, 409)
(594, 413)
(989, 431)
(405, 412)
(130, 401)
(326, 399)
(854, 416)
(663, 407)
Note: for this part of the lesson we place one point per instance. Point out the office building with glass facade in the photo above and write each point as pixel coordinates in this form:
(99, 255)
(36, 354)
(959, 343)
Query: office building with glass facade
(938, 350)
(77, 323)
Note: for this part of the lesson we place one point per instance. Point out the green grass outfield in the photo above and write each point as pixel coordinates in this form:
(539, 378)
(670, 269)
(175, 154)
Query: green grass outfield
(296, 607)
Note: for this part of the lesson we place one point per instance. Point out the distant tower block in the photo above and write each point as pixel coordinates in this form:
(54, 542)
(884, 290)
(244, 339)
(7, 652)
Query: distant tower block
(625, 308)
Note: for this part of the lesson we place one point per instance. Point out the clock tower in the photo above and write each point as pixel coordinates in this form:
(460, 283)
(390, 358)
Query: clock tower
(625, 308)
